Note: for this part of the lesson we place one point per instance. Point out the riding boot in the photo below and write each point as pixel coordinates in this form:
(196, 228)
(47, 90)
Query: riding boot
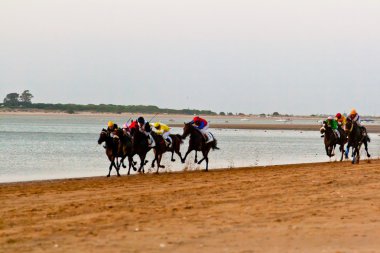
(151, 141)
(209, 138)
(168, 143)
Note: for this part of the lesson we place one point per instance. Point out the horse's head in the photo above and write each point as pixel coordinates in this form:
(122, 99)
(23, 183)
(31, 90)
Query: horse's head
(349, 126)
(103, 136)
(187, 129)
(323, 128)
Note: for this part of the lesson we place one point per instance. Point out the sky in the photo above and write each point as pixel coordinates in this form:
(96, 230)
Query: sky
(296, 56)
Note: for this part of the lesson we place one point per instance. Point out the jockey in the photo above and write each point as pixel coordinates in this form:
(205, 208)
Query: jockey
(112, 127)
(202, 125)
(341, 120)
(331, 122)
(354, 117)
(144, 128)
(126, 129)
(163, 130)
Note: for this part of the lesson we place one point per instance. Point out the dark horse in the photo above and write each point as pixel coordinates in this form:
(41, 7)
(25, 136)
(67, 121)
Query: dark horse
(115, 148)
(331, 140)
(161, 148)
(197, 142)
(356, 138)
(140, 147)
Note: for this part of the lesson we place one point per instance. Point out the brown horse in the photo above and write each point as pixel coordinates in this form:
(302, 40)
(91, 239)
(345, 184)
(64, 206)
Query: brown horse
(357, 137)
(161, 148)
(124, 149)
(331, 140)
(197, 142)
(111, 150)
(140, 147)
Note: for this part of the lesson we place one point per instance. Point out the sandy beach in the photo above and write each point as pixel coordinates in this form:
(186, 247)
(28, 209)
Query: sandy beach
(323, 207)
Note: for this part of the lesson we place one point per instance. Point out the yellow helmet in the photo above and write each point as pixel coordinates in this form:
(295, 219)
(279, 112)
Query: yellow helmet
(353, 111)
(110, 124)
(156, 124)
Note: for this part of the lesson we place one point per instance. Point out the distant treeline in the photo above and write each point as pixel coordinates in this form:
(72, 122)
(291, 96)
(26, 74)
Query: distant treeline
(103, 108)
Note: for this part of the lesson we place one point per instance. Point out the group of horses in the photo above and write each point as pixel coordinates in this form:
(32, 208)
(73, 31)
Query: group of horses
(122, 146)
(353, 135)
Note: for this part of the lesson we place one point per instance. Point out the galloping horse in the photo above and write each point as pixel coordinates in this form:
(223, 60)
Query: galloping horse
(111, 150)
(331, 140)
(140, 147)
(355, 139)
(197, 143)
(161, 148)
(124, 149)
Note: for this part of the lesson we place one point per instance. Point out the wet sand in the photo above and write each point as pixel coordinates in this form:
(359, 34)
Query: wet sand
(323, 207)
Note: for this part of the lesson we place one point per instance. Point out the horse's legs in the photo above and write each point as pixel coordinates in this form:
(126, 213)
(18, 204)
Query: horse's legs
(130, 164)
(112, 160)
(187, 153)
(366, 148)
(160, 158)
(196, 159)
(142, 162)
(205, 157)
(347, 150)
(173, 160)
(341, 148)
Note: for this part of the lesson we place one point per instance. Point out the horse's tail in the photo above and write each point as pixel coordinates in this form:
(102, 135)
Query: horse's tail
(214, 145)
(179, 138)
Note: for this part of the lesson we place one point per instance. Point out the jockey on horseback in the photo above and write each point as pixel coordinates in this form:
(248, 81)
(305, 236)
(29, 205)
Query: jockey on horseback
(354, 117)
(202, 125)
(331, 122)
(111, 129)
(164, 130)
(144, 128)
(341, 120)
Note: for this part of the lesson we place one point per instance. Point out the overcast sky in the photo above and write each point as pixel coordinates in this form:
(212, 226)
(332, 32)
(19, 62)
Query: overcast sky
(294, 56)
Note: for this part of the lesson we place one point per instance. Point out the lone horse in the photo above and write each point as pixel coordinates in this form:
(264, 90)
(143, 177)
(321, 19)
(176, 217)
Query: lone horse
(197, 142)
(356, 138)
(161, 148)
(331, 140)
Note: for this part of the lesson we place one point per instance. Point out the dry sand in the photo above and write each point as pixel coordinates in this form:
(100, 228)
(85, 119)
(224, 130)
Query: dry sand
(323, 207)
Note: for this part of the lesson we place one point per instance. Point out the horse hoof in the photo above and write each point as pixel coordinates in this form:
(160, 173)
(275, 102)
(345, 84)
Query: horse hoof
(195, 161)
(182, 161)
(173, 160)
(368, 155)
(162, 166)
(124, 166)
(199, 162)
(108, 175)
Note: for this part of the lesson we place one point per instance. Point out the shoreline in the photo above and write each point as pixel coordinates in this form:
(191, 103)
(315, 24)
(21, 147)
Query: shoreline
(372, 129)
(316, 207)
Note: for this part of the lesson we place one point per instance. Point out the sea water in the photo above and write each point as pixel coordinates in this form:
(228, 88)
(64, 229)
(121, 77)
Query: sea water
(37, 147)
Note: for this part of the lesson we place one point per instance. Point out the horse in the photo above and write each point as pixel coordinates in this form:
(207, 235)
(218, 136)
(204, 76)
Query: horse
(197, 142)
(140, 147)
(331, 140)
(111, 150)
(161, 148)
(355, 139)
(124, 149)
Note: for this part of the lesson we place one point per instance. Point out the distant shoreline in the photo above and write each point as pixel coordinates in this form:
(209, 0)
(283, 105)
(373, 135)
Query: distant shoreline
(251, 125)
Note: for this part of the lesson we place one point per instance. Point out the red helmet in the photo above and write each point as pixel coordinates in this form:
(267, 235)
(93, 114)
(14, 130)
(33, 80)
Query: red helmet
(196, 118)
(338, 115)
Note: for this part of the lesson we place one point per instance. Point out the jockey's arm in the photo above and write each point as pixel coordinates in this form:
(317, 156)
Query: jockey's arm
(158, 131)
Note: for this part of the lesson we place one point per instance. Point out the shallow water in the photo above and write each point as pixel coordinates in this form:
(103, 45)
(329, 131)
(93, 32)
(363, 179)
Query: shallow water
(65, 146)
